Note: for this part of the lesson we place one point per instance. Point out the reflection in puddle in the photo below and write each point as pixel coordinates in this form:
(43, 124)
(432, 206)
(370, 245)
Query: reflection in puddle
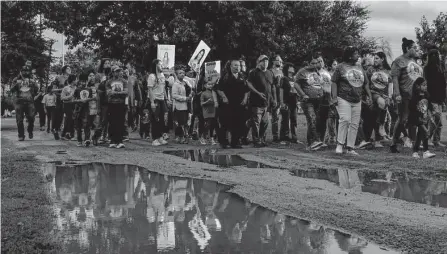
(104, 208)
(391, 185)
(222, 160)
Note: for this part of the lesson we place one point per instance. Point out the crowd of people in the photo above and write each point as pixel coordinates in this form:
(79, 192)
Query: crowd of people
(343, 103)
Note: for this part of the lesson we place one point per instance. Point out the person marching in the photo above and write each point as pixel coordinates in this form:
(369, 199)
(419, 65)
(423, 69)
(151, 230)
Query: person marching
(181, 97)
(49, 103)
(67, 98)
(116, 89)
(58, 114)
(104, 70)
(81, 98)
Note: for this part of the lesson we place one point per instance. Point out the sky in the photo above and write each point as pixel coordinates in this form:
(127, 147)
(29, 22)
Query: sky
(391, 20)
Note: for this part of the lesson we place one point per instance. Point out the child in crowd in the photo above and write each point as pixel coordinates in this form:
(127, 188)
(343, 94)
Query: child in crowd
(419, 117)
(49, 103)
(145, 124)
(82, 96)
(180, 104)
(209, 103)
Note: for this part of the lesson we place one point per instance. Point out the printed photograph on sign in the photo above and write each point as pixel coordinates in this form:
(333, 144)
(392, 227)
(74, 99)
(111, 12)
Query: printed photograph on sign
(199, 56)
(166, 53)
(212, 71)
(84, 94)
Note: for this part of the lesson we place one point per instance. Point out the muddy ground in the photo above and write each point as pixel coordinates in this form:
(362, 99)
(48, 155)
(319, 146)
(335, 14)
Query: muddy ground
(408, 227)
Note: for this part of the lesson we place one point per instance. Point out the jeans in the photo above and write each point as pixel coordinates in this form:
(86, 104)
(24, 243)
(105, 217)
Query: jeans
(402, 120)
(82, 123)
(102, 126)
(68, 121)
(158, 119)
(116, 120)
(311, 109)
(422, 136)
(275, 122)
(288, 122)
(331, 125)
(349, 121)
(25, 109)
(58, 116)
(435, 126)
(50, 113)
(259, 123)
(40, 109)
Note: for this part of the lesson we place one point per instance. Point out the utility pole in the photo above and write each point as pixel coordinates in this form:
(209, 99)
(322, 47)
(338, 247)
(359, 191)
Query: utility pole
(52, 41)
(63, 54)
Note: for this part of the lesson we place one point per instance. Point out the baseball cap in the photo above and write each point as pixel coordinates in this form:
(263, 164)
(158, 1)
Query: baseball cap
(115, 68)
(262, 58)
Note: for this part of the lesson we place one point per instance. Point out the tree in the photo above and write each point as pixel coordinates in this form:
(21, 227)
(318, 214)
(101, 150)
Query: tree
(22, 40)
(385, 46)
(434, 34)
(131, 30)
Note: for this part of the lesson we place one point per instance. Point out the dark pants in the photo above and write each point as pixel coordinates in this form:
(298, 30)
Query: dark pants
(311, 109)
(116, 119)
(231, 119)
(101, 128)
(368, 122)
(82, 123)
(422, 136)
(58, 116)
(68, 120)
(210, 127)
(25, 109)
(201, 123)
(158, 119)
(275, 122)
(402, 120)
(331, 125)
(50, 113)
(288, 122)
(40, 109)
(180, 119)
(259, 123)
(321, 124)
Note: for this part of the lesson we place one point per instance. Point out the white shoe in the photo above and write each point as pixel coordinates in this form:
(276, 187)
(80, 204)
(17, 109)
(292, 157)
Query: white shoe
(363, 145)
(120, 145)
(428, 154)
(202, 141)
(339, 149)
(316, 145)
(213, 142)
(352, 152)
(156, 143)
(377, 144)
(324, 145)
(165, 136)
(416, 155)
(112, 146)
(408, 143)
(430, 143)
(162, 141)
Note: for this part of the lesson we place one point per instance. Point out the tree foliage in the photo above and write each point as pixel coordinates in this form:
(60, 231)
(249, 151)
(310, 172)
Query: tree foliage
(22, 40)
(433, 34)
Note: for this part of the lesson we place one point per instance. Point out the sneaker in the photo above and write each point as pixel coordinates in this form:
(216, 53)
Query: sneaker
(112, 146)
(125, 139)
(283, 143)
(87, 143)
(339, 149)
(428, 154)
(156, 143)
(21, 138)
(79, 144)
(30, 135)
(202, 141)
(363, 145)
(178, 140)
(101, 140)
(430, 143)
(377, 144)
(324, 145)
(416, 155)
(213, 142)
(120, 145)
(352, 152)
(393, 149)
(408, 143)
(162, 141)
(316, 144)
(165, 136)
(439, 144)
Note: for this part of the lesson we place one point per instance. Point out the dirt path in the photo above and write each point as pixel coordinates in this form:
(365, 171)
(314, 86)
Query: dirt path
(405, 226)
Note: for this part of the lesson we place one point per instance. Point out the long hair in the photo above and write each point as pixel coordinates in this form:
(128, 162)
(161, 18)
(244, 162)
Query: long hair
(406, 44)
(433, 61)
(101, 65)
(285, 69)
(348, 53)
(153, 68)
(384, 60)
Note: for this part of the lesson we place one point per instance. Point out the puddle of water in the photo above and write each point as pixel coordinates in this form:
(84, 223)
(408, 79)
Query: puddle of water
(400, 186)
(104, 208)
(221, 160)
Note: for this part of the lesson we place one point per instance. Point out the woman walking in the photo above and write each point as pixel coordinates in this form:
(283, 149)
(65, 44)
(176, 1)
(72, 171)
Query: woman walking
(349, 82)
